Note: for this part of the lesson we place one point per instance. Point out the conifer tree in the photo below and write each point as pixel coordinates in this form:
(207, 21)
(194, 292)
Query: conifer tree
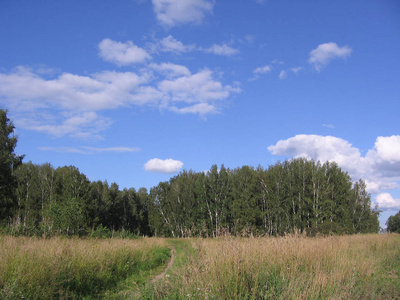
(8, 163)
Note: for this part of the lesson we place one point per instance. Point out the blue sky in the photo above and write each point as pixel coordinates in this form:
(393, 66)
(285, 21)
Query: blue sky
(133, 92)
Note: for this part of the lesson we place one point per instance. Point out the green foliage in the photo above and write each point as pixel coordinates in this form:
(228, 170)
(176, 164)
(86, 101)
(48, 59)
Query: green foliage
(296, 195)
(72, 268)
(101, 233)
(8, 163)
(393, 223)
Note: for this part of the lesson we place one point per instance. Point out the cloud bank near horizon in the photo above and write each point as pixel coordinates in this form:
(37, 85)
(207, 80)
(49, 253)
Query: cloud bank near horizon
(380, 167)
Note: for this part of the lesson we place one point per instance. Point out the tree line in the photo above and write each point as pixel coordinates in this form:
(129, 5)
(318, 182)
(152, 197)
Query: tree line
(393, 223)
(297, 195)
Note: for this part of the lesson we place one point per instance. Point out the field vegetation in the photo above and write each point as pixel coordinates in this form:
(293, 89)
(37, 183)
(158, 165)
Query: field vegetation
(65, 237)
(59, 268)
(290, 267)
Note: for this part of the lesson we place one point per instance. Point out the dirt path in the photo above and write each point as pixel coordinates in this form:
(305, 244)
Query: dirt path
(170, 263)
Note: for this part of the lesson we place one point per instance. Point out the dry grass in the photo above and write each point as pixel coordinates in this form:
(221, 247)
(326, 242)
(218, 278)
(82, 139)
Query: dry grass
(292, 267)
(55, 268)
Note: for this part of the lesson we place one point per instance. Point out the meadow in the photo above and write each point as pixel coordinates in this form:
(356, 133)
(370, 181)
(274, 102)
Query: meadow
(61, 268)
(290, 267)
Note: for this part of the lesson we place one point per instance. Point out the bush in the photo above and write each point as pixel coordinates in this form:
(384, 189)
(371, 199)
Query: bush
(101, 233)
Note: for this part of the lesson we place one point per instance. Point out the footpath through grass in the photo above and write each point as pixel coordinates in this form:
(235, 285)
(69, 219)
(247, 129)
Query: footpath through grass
(165, 288)
(292, 267)
(57, 268)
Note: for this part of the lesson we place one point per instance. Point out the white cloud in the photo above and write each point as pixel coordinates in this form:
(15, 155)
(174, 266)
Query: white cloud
(250, 38)
(26, 90)
(200, 108)
(278, 62)
(223, 49)
(122, 54)
(296, 69)
(385, 201)
(283, 75)
(166, 166)
(388, 149)
(68, 104)
(385, 157)
(325, 53)
(171, 70)
(380, 167)
(170, 44)
(90, 150)
(316, 147)
(177, 12)
(63, 149)
(262, 70)
(197, 88)
(111, 149)
(85, 125)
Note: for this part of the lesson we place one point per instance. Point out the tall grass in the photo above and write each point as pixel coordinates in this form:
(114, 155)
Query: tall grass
(58, 268)
(293, 267)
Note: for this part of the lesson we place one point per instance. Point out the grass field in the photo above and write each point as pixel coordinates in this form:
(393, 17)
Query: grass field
(57, 268)
(292, 267)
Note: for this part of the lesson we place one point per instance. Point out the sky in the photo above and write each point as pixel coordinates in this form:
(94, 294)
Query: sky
(135, 91)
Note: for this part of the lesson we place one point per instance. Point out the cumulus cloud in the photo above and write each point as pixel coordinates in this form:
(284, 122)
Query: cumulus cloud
(325, 53)
(385, 156)
(105, 90)
(385, 201)
(200, 108)
(380, 167)
(200, 87)
(262, 70)
(166, 166)
(69, 104)
(172, 13)
(316, 147)
(223, 49)
(122, 54)
(388, 149)
(170, 44)
(171, 70)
